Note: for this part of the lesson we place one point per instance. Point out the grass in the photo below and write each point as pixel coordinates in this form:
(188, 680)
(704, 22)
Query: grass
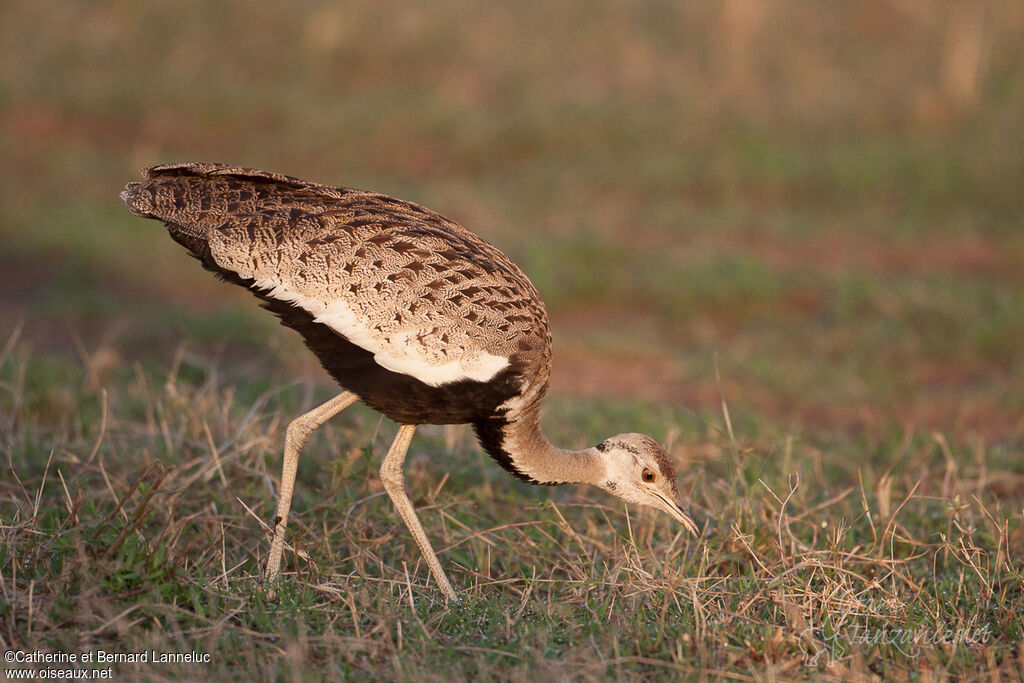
(134, 517)
(797, 263)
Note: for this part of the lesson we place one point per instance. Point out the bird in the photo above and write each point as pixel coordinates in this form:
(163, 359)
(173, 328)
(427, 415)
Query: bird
(409, 312)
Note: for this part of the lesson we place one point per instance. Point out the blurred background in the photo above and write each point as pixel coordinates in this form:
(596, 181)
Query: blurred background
(811, 210)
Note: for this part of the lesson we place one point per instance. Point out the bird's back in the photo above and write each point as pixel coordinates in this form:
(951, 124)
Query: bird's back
(423, 319)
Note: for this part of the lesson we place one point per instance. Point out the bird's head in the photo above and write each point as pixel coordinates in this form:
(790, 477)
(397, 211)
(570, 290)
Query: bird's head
(638, 470)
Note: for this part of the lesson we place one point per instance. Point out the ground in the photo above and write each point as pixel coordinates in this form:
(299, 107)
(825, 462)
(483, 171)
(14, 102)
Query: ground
(796, 263)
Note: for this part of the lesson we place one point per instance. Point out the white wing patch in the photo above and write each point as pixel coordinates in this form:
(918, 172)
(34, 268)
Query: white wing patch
(399, 353)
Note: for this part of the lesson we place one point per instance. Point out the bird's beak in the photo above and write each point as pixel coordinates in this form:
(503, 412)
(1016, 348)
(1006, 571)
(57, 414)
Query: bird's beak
(682, 515)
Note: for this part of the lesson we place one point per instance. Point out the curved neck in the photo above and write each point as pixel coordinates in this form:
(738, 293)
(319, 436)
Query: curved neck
(521, 447)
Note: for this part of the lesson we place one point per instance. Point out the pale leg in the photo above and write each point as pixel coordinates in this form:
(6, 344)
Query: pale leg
(394, 483)
(294, 439)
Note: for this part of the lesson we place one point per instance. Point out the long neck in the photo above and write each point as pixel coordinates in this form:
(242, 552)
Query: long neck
(522, 449)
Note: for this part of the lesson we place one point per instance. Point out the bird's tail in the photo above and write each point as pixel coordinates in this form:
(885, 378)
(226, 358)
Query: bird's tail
(138, 199)
(171, 201)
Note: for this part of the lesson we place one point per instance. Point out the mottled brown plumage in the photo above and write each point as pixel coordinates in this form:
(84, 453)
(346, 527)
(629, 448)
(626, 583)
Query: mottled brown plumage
(409, 311)
(404, 270)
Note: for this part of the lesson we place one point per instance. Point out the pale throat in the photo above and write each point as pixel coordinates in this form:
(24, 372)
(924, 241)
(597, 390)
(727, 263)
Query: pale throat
(533, 455)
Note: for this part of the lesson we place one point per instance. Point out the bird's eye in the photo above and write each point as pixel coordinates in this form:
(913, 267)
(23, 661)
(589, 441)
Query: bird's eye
(647, 475)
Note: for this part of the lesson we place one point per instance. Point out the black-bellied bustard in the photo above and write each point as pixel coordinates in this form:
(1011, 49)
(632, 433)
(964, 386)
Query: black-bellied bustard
(410, 312)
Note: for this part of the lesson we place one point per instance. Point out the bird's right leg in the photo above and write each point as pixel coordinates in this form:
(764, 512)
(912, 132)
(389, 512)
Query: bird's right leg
(394, 483)
(295, 438)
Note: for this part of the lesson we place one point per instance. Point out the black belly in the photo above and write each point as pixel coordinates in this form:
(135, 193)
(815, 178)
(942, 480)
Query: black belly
(403, 398)
(406, 399)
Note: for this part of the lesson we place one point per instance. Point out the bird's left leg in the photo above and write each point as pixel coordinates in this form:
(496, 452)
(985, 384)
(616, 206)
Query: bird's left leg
(294, 439)
(394, 483)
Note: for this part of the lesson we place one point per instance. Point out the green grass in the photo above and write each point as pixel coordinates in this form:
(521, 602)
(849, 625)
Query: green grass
(821, 236)
(121, 523)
